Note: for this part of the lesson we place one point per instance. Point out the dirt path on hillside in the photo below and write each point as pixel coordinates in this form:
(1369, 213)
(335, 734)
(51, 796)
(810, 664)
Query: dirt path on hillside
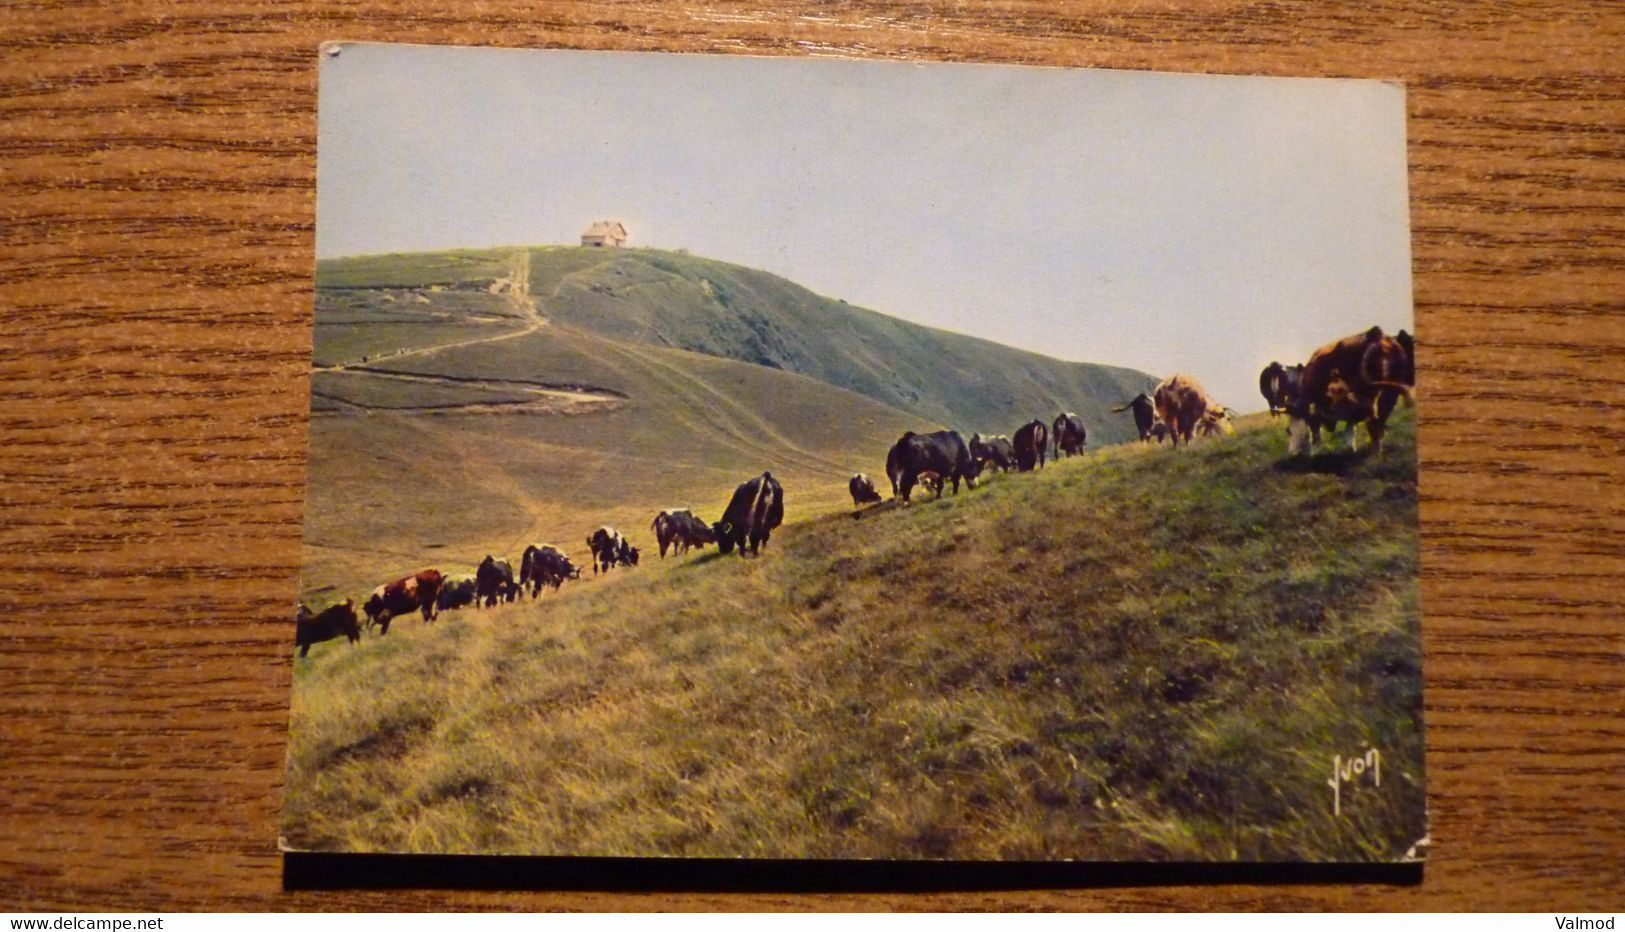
(549, 399)
(516, 287)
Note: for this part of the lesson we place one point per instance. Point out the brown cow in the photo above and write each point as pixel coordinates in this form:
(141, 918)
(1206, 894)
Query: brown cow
(1356, 379)
(1183, 405)
(930, 479)
(417, 592)
(334, 621)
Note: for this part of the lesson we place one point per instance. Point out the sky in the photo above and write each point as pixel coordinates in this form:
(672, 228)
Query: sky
(1168, 223)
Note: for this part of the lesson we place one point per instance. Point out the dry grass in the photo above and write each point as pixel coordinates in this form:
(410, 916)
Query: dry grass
(1136, 654)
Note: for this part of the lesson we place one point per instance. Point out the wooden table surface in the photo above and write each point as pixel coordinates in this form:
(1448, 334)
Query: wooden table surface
(157, 181)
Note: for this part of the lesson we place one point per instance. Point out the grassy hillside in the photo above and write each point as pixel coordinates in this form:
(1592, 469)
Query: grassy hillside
(1143, 653)
(392, 491)
(476, 401)
(413, 269)
(677, 300)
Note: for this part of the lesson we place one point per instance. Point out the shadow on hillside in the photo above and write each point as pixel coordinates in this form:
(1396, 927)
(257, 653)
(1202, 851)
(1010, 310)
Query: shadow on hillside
(711, 555)
(890, 504)
(1335, 462)
(305, 871)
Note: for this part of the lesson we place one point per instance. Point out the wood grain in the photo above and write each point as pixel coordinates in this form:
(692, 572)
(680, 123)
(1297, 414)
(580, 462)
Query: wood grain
(157, 164)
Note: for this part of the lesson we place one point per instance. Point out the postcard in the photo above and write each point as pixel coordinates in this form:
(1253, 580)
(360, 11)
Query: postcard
(731, 457)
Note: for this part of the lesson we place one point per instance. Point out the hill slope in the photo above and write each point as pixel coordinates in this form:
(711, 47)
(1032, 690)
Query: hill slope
(475, 401)
(432, 458)
(673, 299)
(1143, 653)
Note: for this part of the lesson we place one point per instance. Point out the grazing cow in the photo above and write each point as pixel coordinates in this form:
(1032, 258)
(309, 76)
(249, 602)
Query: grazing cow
(943, 453)
(609, 548)
(545, 565)
(1182, 404)
(996, 451)
(678, 527)
(374, 605)
(863, 490)
(667, 526)
(493, 580)
(1068, 434)
(419, 592)
(1279, 384)
(429, 583)
(510, 588)
(1215, 425)
(334, 621)
(1145, 415)
(1032, 439)
(455, 594)
(1356, 379)
(695, 532)
(757, 507)
(930, 479)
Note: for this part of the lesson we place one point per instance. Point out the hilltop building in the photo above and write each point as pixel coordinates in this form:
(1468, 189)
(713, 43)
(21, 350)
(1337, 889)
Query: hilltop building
(605, 233)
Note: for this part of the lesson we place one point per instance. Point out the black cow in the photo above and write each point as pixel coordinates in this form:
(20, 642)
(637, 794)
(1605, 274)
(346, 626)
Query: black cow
(334, 621)
(1032, 439)
(1068, 434)
(678, 527)
(894, 465)
(863, 490)
(1408, 344)
(996, 451)
(1145, 414)
(757, 507)
(667, 527)
(510, 588)
(545, 565)
(693, 531)
(609, 548)
(493, 580)
(943, 452)
(1279, 385)
(455, 594)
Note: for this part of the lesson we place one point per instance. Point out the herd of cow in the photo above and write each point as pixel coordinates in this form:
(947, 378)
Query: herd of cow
(1358, 379)
(756, 509)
